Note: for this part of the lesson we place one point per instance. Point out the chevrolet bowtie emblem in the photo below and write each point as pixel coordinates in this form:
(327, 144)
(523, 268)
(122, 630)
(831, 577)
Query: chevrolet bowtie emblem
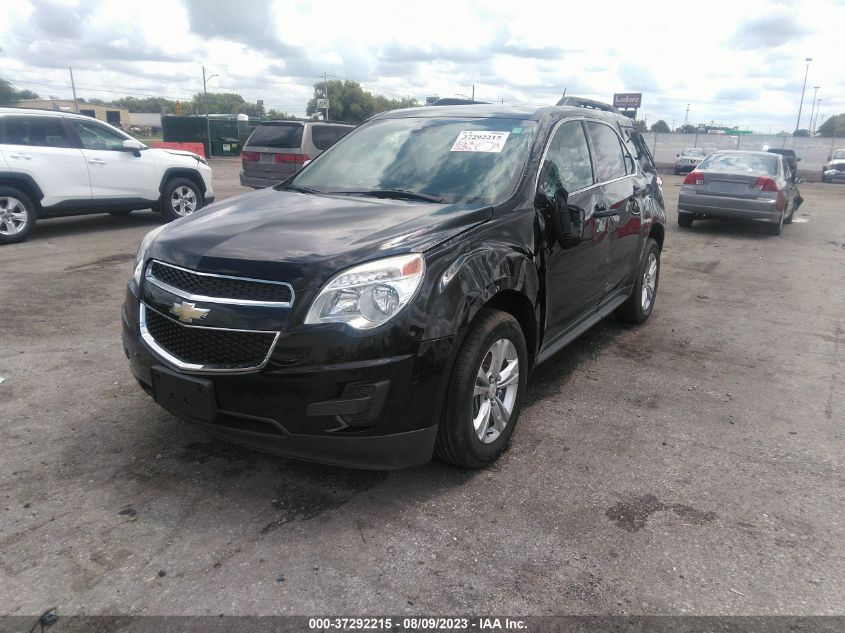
(187, 312)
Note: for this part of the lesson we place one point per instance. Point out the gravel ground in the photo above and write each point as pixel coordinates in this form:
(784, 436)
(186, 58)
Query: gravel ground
(692, 465)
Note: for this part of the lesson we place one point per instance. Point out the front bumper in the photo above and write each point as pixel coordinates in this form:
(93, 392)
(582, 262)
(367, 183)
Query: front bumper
(764, 210)
(834, 175)
(379, 413)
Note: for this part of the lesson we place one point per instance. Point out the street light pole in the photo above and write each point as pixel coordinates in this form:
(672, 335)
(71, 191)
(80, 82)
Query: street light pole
(818, 109)
(801, 105)
(813, 107)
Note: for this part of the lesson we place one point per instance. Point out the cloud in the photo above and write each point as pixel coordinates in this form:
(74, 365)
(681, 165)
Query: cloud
(736, 94)
(250, 25)
(769, 31)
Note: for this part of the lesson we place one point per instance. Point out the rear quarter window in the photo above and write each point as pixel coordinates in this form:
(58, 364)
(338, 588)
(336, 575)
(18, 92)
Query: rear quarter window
(324, 136)
(283, 135)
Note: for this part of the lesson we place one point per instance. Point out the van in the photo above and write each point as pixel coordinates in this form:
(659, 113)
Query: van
(278, 149)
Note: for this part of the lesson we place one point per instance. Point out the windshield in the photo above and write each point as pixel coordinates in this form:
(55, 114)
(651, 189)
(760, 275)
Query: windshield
(839, 154)
(693, 151)
(452, 159)
(741, 163)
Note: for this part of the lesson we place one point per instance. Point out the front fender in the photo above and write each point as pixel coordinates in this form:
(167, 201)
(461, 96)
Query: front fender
(462, 284)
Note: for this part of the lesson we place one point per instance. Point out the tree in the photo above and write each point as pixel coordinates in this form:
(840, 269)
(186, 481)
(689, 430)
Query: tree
(834, 126)
(660, 126)
(278, 115)
(686, 128)
(225, 103)
(10, 96)
(147, 104)
(801, 132)
(350, 103)
(640, 125)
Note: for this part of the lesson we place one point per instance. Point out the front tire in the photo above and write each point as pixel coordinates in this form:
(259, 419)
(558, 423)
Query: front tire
(181, 197)
(485, 392)
(17, 215)
(640, 304)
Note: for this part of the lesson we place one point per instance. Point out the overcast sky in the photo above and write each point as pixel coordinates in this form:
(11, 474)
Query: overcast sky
(736, 62)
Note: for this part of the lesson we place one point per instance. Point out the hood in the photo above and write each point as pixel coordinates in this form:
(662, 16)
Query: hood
(179, 152)
(303, 238)
(836, 161)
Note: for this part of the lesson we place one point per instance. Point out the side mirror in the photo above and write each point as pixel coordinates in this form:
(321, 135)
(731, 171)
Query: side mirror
(565, 221)
(131, 145)
(797, 160)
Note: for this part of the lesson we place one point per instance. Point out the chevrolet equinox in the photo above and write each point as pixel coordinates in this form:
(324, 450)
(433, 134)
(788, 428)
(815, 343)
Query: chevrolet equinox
(387, 303)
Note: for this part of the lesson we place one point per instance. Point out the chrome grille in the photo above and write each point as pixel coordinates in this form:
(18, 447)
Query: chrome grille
(204, 348)
(199, 286)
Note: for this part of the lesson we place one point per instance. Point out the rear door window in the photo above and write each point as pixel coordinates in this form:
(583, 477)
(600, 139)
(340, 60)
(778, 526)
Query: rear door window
(35, 131)
(282, 135)
(324, 136)
(608, 157)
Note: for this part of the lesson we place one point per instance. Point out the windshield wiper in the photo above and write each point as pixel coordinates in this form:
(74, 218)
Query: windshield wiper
(298, 189)
(392, 193)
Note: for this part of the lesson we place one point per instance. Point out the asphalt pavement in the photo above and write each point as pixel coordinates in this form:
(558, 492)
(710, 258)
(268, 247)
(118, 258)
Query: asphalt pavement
(691, 465)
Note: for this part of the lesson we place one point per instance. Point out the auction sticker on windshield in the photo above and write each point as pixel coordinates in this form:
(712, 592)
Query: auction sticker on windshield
(477, 141)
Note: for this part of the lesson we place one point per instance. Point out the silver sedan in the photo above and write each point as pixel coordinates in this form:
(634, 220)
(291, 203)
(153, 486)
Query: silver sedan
(738, 184)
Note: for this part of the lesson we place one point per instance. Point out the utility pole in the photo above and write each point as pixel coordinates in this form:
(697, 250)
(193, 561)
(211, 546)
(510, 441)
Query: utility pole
(686, 116)
(473, 92)
(326, 84)
(801, 105)
(207, 122)
(73, 87)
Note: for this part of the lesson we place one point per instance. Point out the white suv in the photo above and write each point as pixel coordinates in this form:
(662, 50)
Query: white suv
(56, 164)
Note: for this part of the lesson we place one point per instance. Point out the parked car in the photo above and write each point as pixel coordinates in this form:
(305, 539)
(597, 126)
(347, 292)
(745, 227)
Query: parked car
(688, 159)
(740, 184)
(58, 163)
(792, 160)
(834, 171)
(277, 149)
(390, 299)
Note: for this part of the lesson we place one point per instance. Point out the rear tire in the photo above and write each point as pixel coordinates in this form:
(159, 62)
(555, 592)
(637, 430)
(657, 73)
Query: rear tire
(485, 394)
(685, 219)
(180, 197)
(17, 215)
(640, 304)
(775, 229)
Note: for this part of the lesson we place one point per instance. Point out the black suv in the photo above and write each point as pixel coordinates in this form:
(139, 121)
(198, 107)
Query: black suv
(388, 302)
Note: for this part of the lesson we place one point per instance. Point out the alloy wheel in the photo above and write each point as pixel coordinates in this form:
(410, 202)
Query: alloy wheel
(649, 282)
(496, 389)
(13, 216)
(183, 200)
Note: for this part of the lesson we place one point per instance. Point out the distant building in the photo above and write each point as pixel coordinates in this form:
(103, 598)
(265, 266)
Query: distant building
(113, 115)
(150, 120)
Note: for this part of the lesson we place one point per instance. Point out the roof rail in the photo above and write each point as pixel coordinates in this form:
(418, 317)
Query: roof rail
(580, 102)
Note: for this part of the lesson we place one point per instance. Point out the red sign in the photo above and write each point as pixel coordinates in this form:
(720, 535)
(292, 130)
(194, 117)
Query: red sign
(196, 148)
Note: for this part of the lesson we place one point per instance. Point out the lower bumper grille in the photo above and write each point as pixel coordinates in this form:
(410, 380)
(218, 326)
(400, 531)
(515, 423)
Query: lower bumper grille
(204, 348)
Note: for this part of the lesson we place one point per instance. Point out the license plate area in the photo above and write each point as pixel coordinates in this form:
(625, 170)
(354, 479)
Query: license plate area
(726, 186)
(267, 157)
(183, 395)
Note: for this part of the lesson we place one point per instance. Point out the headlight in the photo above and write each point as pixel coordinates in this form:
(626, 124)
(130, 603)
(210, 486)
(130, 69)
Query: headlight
(142, 253)
(368, 295)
